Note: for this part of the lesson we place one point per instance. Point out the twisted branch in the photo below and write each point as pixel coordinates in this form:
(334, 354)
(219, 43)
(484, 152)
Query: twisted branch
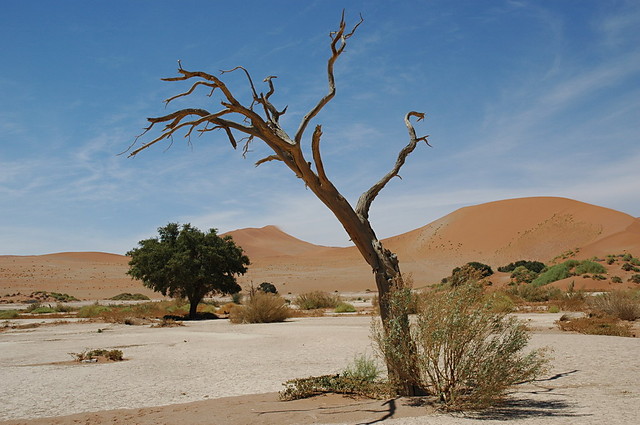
(365, 200)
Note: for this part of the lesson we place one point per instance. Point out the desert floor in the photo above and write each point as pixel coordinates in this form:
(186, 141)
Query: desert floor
(213, 372)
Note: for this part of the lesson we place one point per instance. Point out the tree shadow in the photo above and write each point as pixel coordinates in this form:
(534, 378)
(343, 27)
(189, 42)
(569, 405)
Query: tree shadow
(185, 318)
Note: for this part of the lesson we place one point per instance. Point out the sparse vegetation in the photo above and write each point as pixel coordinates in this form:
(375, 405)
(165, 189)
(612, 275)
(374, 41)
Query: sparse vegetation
(624, 305)
(308, 387)
(472, 271)
(261, 307)
(9, 314)
(126, 296)
(595, 325)
(88, 355)
(635, 278)
(345, 307)
(316, 299)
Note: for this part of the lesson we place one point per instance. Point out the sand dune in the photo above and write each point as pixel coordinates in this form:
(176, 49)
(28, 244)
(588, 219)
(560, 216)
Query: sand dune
(495, 233)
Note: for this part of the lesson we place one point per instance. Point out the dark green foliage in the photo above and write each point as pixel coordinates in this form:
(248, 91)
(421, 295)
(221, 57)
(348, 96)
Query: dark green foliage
(635, 278)
(187, 263)
(522, 274)
(345, 307)
(534, 266)
(627, 267)
(473, 271)
(552, 274)
(484, 269)
(616, 279)
(267, 288)
(125, 296)
(588, 266)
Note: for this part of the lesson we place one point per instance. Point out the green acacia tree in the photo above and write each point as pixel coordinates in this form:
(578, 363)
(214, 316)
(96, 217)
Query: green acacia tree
(188, 263)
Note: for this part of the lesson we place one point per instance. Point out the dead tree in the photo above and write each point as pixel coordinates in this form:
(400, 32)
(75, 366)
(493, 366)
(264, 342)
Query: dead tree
(260, 119)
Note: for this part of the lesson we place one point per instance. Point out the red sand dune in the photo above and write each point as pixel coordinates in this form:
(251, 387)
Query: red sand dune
(495, 233)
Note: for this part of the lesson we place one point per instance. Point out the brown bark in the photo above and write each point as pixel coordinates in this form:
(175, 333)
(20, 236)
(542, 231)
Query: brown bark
(261, 121)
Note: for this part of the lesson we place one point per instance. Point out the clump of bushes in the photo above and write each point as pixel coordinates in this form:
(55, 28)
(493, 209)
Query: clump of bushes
(261, 307)
(345, 307)
(126, 296)
(267, 288)
(595, 325)
(9, 314)
(56, 296)
(624, 305)
(472, 271)
(588, 266)
(316, 299)
(635, 278)
(552, 274)
(534, 266)
(467, 354)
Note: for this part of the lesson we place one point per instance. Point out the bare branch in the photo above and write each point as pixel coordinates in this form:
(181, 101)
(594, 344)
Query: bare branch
(193, 87)
(365, 200)
(267, 159)
(337, 36)
(315, 150)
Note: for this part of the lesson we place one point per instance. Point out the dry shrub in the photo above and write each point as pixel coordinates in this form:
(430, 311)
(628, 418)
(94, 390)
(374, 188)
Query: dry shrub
(596, 325)
(468, 355)
(261, 308)
(88, 355)
(339, 384)
(316, 299)
(624, 305)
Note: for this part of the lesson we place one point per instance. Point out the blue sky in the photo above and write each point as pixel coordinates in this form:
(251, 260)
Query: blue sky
(523, 98)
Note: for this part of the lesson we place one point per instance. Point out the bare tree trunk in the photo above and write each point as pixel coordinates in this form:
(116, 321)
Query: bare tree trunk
(260, 120)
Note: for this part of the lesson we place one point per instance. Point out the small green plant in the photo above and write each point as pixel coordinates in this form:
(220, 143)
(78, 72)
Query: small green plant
(627, 267)
(345, 307)
(316, 299)
(616, 279)
(236, 298)
(93, 311)
(635, 278)
(296, 389)
(552, 274)
(591, 267)
(627, 257)
(554, 309)
(41, 309)
(261, 307)
(364, 368)
(9, 314)
(126, 296)
(267, 288)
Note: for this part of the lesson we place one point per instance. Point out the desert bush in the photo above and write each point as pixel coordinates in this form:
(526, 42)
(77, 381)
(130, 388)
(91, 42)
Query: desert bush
(500, 302)
(534, 266)
(113, 355)
(268, 288)
(596, 325)
(552, 274)
(345, 307)
(616, 279)
(308, 387)
(40, 309)
(126, 296)
(532, 293)
(635, 278)
(627, 257)
(261, 308)
(553, 309)
(624, 305)
(521, 274)
(473, 271)
(635, 261)
(9, 314)
(588, 266)
(467, 355)
(93, 311)
(236, 298)
(316, 299)
(627, 267)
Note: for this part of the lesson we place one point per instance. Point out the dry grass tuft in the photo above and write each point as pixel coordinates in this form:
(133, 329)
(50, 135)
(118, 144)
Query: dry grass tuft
(261, 308)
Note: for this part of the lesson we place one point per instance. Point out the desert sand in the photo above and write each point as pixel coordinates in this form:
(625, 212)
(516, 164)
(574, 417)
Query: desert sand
(495, 233)
(213, 372)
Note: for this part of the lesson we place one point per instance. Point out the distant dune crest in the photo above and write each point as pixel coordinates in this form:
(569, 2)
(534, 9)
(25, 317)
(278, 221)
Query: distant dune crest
(495, 233)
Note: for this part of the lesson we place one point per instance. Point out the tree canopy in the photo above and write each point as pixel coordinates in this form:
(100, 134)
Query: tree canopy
(188, 263)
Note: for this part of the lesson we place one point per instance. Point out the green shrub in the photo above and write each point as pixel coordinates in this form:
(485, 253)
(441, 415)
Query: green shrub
(635, 278)
(596, 325)
(532, 293)
(9, 314)
(554, 309)
(308, 387)
(126, 296)
(236, 298)
(316, 299)
(93, 311)
(345, 307)
(363, 368)
(468, 355)
(627, 257)
(635, 261)
(42, 310)
(616, 279)
(500, 302)
(627, 267)
(261, 308)
(591, 267)
(521, 274)
(553, 274)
